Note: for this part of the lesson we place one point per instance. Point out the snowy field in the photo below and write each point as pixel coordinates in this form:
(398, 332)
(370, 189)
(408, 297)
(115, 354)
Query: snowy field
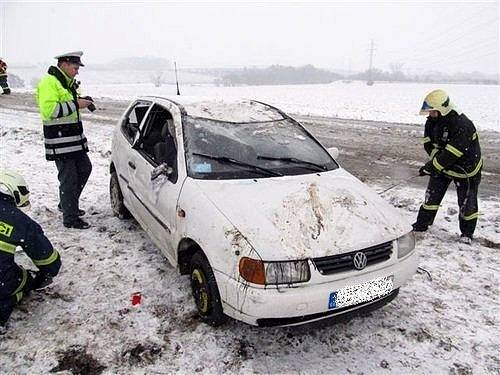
(390, 102)
(85, 324)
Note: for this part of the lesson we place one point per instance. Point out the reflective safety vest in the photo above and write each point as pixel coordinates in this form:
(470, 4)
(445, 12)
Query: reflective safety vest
(453, 145)
(57, 96)
(18, 229)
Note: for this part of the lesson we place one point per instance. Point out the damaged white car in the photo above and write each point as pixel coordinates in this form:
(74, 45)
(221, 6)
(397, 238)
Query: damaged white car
(271, 230)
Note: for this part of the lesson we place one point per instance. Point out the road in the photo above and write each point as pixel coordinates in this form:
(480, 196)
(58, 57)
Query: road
(378, 153)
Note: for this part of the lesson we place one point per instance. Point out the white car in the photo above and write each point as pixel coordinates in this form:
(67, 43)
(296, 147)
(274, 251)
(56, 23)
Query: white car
(271, 229)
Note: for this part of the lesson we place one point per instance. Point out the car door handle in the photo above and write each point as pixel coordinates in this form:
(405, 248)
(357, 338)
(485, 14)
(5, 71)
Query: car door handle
(131, 165)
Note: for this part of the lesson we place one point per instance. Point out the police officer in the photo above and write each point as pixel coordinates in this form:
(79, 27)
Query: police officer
(60, 104)
(452, 143)
(18, 229)
(3, 77)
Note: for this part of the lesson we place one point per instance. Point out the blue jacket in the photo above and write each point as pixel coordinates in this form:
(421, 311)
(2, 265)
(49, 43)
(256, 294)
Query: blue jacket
(18, 229)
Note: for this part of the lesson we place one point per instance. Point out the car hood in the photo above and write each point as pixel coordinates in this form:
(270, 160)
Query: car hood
(307, 216)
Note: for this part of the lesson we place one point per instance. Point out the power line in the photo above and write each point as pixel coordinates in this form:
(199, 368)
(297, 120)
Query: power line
(463, 50)
(454, 61)
(431, 50)
(449, 30)
(487, 23)
(464, 46)
(434, 41)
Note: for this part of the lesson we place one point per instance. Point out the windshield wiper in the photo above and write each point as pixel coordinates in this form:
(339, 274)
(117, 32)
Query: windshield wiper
(316, 166)
(225, 159)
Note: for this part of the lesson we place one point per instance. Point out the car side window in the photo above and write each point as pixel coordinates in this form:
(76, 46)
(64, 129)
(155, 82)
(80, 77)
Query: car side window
(157, 143)
(132, 120)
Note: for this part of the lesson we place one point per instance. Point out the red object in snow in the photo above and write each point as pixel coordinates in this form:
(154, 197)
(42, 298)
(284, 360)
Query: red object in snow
(136, 299)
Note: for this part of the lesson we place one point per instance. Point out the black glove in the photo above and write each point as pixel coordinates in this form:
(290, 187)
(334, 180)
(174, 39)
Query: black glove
(428, 170)
(423, 171)
(40, 280)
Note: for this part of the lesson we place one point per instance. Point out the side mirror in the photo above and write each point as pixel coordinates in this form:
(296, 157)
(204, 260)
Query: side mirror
(162, 169)
(334, 152)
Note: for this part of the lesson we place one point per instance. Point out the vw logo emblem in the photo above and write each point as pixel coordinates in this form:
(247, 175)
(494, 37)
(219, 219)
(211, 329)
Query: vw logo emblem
(359, 260)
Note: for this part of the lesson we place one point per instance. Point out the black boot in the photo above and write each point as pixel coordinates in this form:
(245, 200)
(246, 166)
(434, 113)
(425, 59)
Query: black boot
(417, 227)
(80, 212)
(77, 224)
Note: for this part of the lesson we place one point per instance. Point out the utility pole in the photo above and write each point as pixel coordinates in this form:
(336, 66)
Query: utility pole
(370, 78)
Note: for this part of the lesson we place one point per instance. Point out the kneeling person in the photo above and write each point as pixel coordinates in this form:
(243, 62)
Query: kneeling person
(18, 229)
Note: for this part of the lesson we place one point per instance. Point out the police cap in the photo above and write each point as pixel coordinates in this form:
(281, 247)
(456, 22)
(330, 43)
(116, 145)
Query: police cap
(71, 57)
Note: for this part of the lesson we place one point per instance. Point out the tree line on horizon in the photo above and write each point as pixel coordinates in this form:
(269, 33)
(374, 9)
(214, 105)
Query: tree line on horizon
(278, 75)
(308, 74)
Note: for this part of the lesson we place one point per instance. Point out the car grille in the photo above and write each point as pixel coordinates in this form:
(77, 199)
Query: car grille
(344, 262)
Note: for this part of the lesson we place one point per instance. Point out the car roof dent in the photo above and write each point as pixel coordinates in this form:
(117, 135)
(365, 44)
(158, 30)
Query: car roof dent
(225, 110)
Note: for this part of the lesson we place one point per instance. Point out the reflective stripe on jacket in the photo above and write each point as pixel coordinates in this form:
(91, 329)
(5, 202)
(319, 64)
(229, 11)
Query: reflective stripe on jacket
(18, 229)
(62, 129)
(453, 145)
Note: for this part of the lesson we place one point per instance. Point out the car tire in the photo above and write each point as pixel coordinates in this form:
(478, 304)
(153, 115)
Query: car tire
(116, 198)
(205, 291)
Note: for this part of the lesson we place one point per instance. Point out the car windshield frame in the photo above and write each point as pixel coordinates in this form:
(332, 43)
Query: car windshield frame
(282, 146)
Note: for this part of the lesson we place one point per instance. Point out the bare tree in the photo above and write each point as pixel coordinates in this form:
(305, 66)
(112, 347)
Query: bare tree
(397, 71)
(157, 78)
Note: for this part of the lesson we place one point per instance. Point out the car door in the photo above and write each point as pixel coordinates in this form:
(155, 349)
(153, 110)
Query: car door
(123, 140)
(157, 199)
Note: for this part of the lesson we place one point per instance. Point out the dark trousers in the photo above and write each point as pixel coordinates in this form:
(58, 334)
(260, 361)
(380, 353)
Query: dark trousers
(6, 306)
(73, 175)
(467, 190)
(4, 84)
(8, 302)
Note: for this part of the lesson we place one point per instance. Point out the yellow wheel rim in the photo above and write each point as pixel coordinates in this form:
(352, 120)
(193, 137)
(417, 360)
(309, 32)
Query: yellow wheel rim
(200, 293)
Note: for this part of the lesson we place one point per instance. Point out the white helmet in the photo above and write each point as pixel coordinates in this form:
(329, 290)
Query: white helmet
(438, 100)
(14, 185)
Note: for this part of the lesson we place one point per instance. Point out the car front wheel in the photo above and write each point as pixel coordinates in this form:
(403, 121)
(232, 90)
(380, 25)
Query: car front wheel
(116, 198)
(205, 292)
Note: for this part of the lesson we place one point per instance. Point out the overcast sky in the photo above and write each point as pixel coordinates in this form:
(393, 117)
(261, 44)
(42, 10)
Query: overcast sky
(444, 36)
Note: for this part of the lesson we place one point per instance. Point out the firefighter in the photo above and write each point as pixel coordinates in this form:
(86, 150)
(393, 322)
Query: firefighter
(18, 229)
(65, 143)
(452, 143)
(3, 78)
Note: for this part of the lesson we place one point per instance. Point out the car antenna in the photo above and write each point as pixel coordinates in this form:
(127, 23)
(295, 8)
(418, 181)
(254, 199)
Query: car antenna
(176, 79)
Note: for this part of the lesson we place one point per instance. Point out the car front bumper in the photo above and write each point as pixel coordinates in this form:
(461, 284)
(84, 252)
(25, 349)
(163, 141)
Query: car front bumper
(306, 302)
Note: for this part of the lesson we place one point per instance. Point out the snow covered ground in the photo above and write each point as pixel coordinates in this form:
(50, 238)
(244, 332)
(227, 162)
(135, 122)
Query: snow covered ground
(85, 322)
(112, 75)
(391, 102)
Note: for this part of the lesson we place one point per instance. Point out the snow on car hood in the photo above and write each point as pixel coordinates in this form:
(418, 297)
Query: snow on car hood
(306, 216)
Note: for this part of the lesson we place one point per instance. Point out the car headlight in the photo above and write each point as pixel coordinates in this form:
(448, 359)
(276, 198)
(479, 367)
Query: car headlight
(268, 273)
(406, 244)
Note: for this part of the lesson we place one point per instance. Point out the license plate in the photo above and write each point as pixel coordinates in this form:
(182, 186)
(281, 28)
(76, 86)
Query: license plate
(355, 294)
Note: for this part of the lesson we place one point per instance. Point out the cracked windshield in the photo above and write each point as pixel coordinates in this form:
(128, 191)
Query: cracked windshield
(226, 150)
